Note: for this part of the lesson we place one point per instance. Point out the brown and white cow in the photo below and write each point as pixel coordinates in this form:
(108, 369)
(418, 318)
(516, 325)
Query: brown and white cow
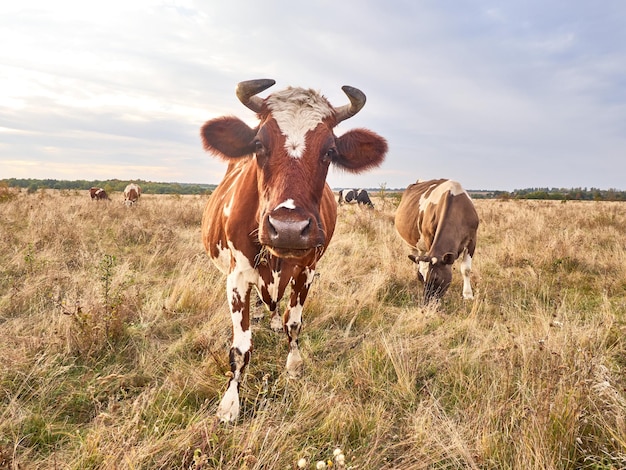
(271, 218)
(131, 194)
(98, 194)
(438, 220)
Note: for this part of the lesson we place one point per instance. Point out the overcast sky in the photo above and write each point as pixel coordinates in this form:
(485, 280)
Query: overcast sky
(495, 94)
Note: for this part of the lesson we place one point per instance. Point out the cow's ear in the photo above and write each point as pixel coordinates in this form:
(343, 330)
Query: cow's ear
(448, 258)
(413, 258)
(359, 150)
(228, 137)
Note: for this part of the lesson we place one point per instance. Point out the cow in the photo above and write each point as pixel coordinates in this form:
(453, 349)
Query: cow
(98, 194)
(359, 196)
(131, 194)
(273, 215)
(438, 220)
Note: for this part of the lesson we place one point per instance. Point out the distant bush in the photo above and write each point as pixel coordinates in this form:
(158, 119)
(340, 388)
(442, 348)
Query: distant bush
(6, 193)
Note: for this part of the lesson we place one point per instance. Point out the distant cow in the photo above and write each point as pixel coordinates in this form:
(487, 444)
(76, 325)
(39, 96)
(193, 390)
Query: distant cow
(359, 196)
(272, 217)
(98, 194)
(438, 220)
(131, 194)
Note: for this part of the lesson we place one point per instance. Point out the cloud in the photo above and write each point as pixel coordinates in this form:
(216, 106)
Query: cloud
(525, 94)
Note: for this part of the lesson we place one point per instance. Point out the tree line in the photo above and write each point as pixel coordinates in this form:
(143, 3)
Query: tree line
(562, 194)
(555, 194)
(110, 186)
(151, 187)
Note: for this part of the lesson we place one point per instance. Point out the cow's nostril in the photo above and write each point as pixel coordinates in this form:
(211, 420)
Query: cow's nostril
(306, 227)
(271, 226)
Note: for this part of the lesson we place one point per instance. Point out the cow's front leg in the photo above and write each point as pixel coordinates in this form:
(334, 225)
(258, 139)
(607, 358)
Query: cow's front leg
(466, 269)
(238, 291)
(293, 320)
(271, 290)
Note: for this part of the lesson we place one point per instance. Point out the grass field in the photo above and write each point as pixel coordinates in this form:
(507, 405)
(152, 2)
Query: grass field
(115, 335)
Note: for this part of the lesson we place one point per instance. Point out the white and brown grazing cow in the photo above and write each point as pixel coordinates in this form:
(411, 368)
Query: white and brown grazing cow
(271, 218)
(131, 194)
(438, 220)
(98, 194)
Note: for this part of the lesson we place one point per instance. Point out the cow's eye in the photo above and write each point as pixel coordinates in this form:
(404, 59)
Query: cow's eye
(259, 148)
(330, 155)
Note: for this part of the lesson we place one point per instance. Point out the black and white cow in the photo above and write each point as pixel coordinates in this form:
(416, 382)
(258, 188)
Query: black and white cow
(358, 196)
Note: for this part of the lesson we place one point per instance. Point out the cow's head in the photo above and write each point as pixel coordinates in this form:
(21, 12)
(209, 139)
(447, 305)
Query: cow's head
(435, 273)
(292, 148)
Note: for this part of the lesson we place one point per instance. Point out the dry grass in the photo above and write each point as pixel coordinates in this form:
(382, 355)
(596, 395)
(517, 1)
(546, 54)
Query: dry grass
(115, 334)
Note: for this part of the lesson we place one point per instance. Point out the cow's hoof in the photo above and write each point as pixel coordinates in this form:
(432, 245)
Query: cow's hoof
(294, 364)
(228, 411)
(276, 323)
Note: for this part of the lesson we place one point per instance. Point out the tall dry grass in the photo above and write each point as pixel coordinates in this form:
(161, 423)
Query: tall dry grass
(115, 334)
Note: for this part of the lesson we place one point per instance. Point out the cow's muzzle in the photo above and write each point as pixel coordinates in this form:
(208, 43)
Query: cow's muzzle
(288, 235)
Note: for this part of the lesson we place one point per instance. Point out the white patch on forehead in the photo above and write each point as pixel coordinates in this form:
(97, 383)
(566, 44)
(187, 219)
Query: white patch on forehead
(298, 111)
(435, 196)
(288, 204)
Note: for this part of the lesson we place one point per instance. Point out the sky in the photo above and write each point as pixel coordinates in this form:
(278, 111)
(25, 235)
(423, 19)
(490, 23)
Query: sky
(498, 95)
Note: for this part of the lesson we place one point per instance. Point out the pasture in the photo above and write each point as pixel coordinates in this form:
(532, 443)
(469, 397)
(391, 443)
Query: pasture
(115, 333)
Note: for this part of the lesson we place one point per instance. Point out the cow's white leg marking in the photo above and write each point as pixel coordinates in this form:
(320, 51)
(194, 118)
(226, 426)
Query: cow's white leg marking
(292, 326)
(238, 285)
(293, 320)
(276, 323)
(466, 269)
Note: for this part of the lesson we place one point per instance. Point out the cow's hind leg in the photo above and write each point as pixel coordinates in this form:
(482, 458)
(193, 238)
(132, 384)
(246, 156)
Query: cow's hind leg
(239, 301)
(293, 319)
(466, 269)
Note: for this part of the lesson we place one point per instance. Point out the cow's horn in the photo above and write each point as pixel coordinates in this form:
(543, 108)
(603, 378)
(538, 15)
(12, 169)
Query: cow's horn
(357, 101)
(247, 91)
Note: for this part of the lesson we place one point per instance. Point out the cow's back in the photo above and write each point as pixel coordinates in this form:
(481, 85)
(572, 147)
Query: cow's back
(409, 218)
(132, 192)
(437, 212)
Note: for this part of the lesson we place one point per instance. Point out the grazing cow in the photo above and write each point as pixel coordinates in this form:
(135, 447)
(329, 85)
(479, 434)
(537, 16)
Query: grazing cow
(438, 220)
(271, 218)
(131, 194)
(359, 196)
(98, 194)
